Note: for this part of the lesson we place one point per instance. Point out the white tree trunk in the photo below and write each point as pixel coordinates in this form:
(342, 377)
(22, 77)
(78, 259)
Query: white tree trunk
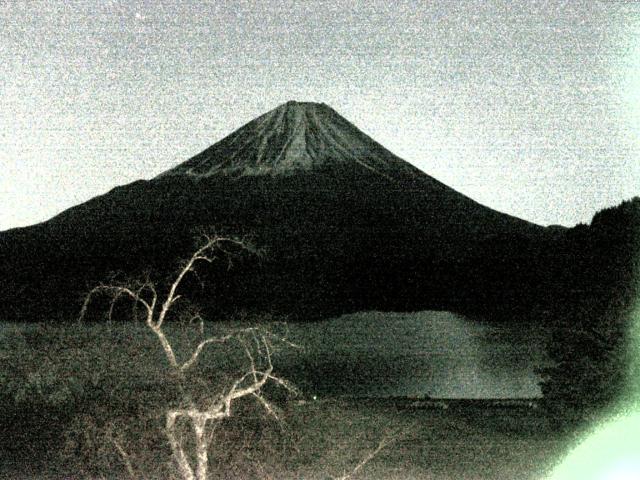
(176, 447)
(202, 456)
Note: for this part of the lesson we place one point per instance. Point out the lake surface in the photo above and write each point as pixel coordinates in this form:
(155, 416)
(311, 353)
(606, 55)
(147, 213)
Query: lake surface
(440, 354)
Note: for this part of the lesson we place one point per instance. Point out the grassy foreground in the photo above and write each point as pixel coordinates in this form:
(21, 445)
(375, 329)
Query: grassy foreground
(77, 399)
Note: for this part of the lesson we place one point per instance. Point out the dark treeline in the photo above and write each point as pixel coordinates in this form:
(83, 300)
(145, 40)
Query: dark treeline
(592, 305)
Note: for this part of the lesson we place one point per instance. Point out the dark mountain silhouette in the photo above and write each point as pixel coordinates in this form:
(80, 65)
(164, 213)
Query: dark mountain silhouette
(346, 226)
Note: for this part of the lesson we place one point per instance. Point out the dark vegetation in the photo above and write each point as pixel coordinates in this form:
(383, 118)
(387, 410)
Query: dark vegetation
(329, 250)
(592, 305)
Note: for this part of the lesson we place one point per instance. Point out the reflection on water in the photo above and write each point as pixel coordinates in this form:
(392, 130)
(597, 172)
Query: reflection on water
(440, 354)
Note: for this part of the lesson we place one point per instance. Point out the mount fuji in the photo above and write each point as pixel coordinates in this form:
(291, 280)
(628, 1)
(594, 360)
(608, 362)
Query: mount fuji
(346, 226)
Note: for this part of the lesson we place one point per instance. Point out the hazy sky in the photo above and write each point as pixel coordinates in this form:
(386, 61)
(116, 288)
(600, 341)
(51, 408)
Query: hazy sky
(530, 107)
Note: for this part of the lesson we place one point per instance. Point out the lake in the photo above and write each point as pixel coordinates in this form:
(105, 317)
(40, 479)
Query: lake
(440, 354)
(437, 354)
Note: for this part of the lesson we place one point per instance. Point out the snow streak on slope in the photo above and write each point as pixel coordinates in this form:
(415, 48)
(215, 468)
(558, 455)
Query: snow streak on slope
(291, 138)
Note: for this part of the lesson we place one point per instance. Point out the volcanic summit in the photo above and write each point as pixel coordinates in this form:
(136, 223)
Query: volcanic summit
(294, 137)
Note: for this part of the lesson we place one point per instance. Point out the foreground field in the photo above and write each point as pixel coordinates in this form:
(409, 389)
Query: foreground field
(333, 436)
(461, 442)
(75, 397)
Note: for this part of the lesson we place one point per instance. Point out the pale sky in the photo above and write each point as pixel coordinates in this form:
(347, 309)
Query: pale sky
(529, 107)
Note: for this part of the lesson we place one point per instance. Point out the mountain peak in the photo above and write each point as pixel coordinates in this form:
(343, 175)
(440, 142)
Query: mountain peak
(293, 137)
(301, 105)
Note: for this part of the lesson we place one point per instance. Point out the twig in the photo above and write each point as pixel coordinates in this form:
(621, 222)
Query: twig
(124, 457)
(384, 442)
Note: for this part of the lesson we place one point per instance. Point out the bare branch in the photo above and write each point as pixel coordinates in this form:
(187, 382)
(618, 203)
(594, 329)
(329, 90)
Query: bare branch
(198, 350)
(115, 292)
(257, 345)
(384, 442)
(204, 258)
(211, 244)
(197, 317)
(290, 387)
(113, 303)
(234, 393)
(261, 378)
(250, 383)
(125, 458)
(236, 334)
(285, 341)
(267, 406)
(164, 342)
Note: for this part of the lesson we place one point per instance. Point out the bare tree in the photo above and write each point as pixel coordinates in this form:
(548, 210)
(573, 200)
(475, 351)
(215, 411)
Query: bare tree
(257, 344)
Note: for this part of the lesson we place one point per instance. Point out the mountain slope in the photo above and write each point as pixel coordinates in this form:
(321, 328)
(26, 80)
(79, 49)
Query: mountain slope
(346, 225)
(292, 138)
